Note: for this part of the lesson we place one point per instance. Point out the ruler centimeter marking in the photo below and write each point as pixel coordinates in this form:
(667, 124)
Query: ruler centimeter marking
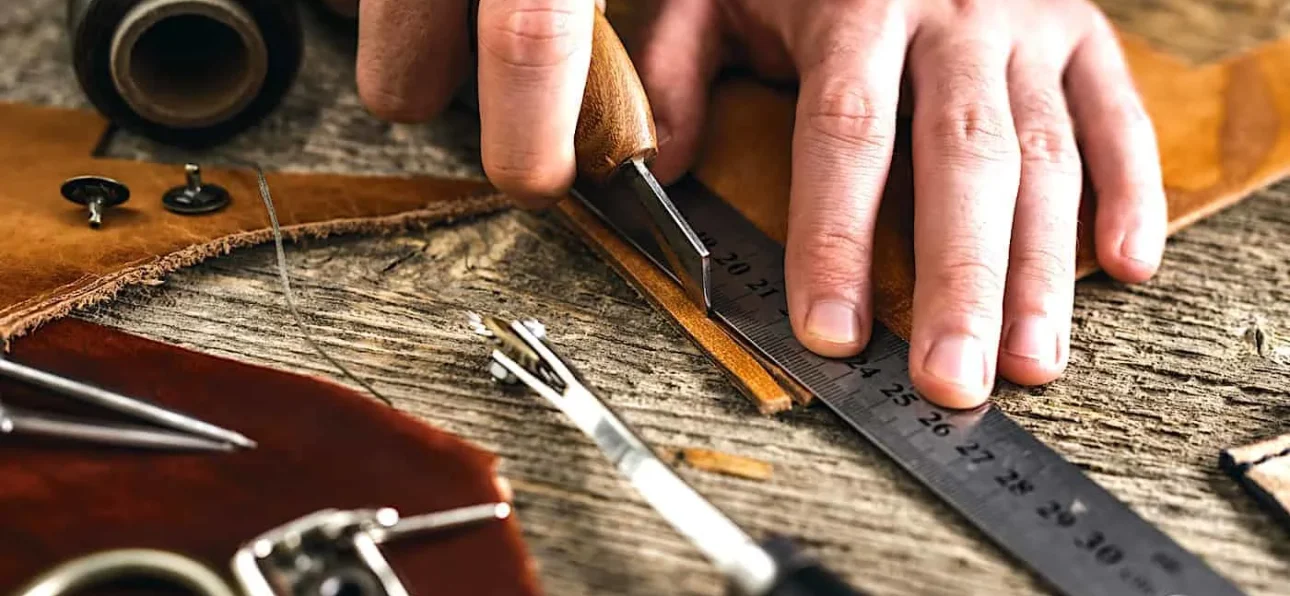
(1032, 502)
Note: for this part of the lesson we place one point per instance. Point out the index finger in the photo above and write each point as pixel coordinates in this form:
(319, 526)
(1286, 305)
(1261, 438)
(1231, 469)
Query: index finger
(533, 62)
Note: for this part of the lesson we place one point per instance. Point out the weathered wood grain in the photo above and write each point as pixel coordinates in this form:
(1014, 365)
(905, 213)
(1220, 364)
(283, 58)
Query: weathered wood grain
(1202, 30)
(1162, 376)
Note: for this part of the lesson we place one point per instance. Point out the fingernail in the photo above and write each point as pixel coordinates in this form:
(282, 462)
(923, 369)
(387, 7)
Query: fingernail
(1032, 338)
(957, 359)
(834, 322)
(1141, 246)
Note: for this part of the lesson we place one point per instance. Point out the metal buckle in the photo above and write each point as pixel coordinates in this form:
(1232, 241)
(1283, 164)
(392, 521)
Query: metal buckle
(337, 552)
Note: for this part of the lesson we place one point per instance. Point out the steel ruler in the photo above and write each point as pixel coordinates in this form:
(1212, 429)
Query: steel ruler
(1032, 502)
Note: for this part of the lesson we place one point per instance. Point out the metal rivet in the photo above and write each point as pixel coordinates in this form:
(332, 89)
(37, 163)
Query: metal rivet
(195, 197)
(96, 193)
(502, 375)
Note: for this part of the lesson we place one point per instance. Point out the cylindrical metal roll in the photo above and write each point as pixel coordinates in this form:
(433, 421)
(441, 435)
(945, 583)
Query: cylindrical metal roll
(187, 72)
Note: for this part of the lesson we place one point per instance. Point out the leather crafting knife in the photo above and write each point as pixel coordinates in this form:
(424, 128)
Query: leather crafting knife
(614, 143)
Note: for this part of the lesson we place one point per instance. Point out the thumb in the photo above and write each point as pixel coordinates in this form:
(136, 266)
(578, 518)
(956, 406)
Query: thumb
(677, 60)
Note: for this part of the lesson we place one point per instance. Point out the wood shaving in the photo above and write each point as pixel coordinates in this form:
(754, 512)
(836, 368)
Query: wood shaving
(721, 463)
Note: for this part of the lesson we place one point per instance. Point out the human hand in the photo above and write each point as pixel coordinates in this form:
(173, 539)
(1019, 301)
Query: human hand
(533, 57)
(999, 89)
(997, 170)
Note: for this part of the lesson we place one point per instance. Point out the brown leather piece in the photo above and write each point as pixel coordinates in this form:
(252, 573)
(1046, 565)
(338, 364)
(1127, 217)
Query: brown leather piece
(54, 262)
(1263, 468)
(320, 445)
(1223, 131)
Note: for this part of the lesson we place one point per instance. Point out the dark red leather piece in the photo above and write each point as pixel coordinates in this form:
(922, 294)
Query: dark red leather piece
(321, 445)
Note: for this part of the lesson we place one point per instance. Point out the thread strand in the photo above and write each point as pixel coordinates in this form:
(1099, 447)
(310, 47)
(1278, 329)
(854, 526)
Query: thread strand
(290, 298)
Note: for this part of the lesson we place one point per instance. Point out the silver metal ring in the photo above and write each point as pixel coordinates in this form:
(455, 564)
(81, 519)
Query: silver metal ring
(82, 572)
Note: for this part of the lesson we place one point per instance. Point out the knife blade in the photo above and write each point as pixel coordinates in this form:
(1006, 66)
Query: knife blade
(614, 142)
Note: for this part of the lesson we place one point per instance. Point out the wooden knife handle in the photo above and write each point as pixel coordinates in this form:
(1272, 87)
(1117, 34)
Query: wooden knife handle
(615, 124)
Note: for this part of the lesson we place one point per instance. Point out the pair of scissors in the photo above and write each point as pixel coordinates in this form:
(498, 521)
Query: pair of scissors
(174, 430)
(771, 568)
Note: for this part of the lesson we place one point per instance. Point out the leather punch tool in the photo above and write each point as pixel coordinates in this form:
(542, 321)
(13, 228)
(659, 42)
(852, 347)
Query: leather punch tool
(771, 568)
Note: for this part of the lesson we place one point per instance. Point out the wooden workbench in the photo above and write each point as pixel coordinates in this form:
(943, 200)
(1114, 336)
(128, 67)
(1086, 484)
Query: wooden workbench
(1162, 376)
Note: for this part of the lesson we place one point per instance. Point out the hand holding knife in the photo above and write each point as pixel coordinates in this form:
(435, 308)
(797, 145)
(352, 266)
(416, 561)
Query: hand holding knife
(614, 142)
(772, 568)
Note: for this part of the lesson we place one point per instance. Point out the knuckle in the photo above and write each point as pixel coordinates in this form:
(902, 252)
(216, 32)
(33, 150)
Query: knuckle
(538, 34)
(838, 36)
(1049, 144)
(839, 257)
(971, 285)
(1044, 266)
(528, 180)
(847, 115)
(976, 132)
(393, 106)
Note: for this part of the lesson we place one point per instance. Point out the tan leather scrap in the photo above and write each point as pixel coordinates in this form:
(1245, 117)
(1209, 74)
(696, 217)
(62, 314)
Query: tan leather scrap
(1223, 131)
(54, 262)
(1263, 468)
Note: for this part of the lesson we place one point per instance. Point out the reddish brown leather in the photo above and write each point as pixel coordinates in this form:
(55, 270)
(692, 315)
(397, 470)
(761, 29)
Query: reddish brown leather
(1223, 130)
(321, 445)
(1263, 468)
(55, 262)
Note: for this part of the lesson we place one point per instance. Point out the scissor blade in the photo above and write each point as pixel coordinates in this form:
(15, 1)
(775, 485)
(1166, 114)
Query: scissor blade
(122, 403)
(20, 422)
(634, 204)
